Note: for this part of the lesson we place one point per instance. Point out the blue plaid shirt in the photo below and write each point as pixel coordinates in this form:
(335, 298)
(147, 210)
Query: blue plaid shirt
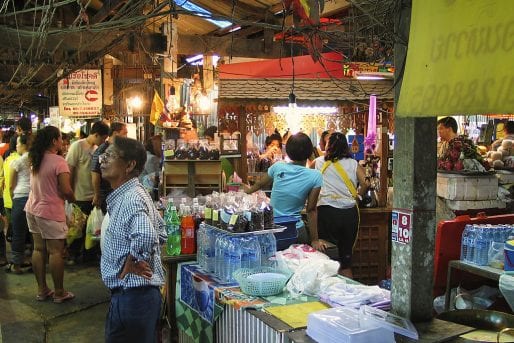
(136, 228)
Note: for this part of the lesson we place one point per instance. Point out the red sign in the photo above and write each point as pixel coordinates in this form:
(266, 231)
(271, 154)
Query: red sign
(91, 95)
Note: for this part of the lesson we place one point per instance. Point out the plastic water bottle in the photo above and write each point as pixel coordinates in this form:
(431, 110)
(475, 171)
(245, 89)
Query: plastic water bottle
(477, 241)
(482, 246)
(201, 241)
(464, 247)
(268, 244)
(219, 259)
(250, 252)
(173, 244)
(234, 258)
(472, 235)
(187, 227)
(210, 249)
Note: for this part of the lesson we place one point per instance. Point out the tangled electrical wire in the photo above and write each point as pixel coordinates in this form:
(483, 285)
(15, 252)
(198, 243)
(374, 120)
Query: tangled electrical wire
(45, 45)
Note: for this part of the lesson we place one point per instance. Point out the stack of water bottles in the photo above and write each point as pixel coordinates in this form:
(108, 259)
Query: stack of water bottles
(222, 253)
(478, 238)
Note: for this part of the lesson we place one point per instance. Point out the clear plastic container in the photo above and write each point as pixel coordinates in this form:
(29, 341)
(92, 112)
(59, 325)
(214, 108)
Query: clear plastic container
(344, 325)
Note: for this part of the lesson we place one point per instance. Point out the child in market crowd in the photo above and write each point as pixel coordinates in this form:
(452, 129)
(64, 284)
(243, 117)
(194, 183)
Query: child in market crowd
(293, 184)
(338, 212)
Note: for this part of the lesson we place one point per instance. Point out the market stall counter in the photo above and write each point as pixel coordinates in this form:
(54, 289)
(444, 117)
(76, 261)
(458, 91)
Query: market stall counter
(210, 310)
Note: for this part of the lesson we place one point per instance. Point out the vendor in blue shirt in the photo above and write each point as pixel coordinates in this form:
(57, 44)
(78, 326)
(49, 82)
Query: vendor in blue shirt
(293, 185)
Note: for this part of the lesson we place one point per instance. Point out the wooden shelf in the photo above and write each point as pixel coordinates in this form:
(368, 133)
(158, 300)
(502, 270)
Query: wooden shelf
(196, 176)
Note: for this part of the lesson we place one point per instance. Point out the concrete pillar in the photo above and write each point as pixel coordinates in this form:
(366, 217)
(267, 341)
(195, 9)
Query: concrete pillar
(414, 180)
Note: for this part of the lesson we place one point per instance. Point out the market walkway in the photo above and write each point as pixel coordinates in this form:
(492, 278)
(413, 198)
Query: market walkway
(23, 319)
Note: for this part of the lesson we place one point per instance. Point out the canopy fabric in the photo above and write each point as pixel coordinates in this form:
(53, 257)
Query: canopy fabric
(304, 67)
(459, 59)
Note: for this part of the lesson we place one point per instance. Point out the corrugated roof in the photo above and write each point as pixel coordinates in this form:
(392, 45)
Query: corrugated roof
(305, 89)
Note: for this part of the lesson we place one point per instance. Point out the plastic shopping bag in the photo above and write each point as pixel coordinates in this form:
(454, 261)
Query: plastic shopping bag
(93, 228)
(76, 220)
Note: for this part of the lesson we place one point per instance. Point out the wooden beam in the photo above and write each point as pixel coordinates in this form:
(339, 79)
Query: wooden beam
(225, 46)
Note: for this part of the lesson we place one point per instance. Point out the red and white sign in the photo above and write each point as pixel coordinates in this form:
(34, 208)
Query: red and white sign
(401, 226)
(80, 94)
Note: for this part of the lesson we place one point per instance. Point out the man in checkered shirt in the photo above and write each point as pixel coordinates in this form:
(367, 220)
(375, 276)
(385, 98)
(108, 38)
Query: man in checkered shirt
(131, 266)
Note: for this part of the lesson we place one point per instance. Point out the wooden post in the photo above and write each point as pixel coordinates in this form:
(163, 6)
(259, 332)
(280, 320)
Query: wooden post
(170, 61)
(243, 170)
(383, 149)
(108, 82)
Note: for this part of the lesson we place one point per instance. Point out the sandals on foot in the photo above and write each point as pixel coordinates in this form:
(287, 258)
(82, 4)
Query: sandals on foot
(66, 296)
(45, 295)
(11, 268)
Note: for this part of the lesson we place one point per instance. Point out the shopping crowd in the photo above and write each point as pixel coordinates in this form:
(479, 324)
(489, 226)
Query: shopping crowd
(42, 174)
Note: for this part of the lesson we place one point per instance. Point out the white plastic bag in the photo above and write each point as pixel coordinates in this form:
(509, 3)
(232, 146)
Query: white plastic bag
(93, 228)
(94, 222)
(309, 275)
(294, 256)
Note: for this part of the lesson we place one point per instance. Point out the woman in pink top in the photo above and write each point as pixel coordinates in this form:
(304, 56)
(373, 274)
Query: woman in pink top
(49, 186)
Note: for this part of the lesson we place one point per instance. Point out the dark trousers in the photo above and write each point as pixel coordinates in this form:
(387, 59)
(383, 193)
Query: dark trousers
(20, 230)
(133, 315)
(340, 227)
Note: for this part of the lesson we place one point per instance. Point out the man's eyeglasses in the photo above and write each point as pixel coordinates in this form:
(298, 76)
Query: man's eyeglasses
(107, 156)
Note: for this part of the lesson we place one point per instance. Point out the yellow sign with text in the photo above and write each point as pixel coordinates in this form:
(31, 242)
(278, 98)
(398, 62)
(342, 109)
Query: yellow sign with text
(460, 59)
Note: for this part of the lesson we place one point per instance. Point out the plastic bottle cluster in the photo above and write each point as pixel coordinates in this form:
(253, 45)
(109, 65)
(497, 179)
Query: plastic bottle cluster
(477, 238)
(222, 253)
(181, 227)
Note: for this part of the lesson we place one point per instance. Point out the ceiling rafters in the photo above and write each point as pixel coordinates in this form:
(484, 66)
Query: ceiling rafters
(78, 35)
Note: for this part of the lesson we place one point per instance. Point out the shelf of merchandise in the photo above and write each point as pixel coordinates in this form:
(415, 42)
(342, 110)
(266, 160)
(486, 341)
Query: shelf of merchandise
(193, 176)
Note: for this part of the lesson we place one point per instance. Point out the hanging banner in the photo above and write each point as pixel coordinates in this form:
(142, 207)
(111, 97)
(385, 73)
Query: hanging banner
(459, 59)
(80, 94)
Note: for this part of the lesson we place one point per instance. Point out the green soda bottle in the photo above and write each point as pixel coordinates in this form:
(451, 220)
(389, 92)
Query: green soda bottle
(174, 234)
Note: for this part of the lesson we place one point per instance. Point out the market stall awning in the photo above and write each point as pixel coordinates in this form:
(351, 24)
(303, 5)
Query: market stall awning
(304, 67)
(305, 89)
(459, 59)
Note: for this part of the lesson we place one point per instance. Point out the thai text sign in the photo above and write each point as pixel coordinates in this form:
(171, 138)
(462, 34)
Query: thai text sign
(80, 94)
(459, 59)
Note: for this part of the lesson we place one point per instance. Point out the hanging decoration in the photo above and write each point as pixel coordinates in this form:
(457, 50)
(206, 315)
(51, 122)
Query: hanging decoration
(157, 108)
(371, 136)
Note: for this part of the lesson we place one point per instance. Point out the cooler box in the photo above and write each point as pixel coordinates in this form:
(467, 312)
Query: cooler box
(289, 235)
(448, 239)
(467, 187)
